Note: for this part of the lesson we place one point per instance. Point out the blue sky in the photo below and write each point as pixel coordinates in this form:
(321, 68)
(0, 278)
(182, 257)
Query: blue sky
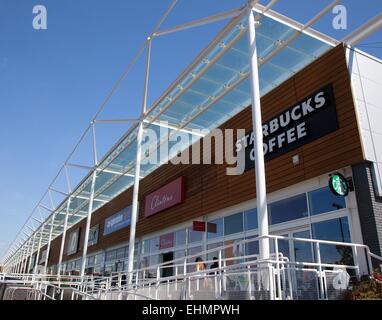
(52, 82)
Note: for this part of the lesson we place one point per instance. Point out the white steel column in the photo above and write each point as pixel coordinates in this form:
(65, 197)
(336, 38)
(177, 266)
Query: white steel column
(261, 191)
(38, 250)
(88, 222)
(134, 210)
(63, 236)
(91, 202)
(49, 242)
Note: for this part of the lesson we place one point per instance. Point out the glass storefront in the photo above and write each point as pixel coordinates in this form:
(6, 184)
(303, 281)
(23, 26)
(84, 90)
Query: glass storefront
(307, 215)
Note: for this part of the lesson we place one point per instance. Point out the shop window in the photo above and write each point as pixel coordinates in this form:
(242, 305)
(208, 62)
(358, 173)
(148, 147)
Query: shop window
(90, 261)
(145, 246)
(234, 251)
(323, 200)
(334, 230)
(219, 229)
(251, 222)
(111, 255)
(78, 264)
(120, 253)
(179, 254)
(195, 252)
(194, 236)
(303, 251)
(154, 244)
(252, 246)
(233, 224)
(99, 258)
(213, 255)
(283, 246)
(288, 209)
(180, 237)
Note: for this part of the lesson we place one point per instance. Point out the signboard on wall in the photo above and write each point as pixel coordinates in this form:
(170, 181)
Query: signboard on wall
(166, 241)
(164, 198)
(117, 221)
(73, 242)
(304, 122)
(93, 235)
(203, 226)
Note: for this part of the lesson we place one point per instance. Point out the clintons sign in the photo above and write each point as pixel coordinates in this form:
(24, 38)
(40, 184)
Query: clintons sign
(165, 198)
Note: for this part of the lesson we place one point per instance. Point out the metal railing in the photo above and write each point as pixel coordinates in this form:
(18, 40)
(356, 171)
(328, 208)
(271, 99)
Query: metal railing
(244, 276)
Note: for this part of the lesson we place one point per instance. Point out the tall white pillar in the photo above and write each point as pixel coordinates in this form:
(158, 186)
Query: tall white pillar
(88, 222)
(134, 210)
(261, 191)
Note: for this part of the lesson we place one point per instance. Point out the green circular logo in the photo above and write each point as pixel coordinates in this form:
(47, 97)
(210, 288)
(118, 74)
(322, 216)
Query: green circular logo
(339, 185)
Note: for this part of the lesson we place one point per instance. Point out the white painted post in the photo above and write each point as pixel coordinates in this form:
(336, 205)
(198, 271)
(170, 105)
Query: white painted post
(261, 191)
(134, 211)
(88, 222)
(91, 202)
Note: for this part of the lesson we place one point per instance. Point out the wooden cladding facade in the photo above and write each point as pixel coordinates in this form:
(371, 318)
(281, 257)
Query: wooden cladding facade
(209, 188)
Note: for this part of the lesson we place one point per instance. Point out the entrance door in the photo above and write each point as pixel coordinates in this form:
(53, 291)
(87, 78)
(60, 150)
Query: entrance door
(167, 271)
(302, 251)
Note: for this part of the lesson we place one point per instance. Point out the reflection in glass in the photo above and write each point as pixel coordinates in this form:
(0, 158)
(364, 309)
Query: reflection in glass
(154, 244)
(288, 209)
(233, 224)
(334, 230)
(194, 236)
(180, 237)
(251, 221)
(323, 200)
(219, 229)
(302, 250)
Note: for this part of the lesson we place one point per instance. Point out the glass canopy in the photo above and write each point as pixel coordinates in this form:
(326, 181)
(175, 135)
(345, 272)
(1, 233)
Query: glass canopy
(216, 89)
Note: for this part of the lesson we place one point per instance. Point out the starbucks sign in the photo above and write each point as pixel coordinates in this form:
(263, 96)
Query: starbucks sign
(339, 185)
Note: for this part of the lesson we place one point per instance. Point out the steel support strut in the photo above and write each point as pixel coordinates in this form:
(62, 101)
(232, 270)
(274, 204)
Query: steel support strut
(134, 211)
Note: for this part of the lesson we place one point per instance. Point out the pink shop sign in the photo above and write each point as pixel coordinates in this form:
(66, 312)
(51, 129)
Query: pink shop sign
(164, 198)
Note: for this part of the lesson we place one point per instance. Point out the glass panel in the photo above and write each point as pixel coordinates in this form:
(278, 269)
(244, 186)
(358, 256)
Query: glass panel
(145, 246)
(251, 221)
(180, 237)
(283, 246)
(154, 244)
(252, 247)
(234, 249)
(179, 269)
(233, 224)
(99, 259)
(302, 250)
(194, 251)
(120, 253)
(213, 256)
(334, 230)
(111, 255)
(323, 200)
(288, 209)
(194, 236)
(219, 229)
